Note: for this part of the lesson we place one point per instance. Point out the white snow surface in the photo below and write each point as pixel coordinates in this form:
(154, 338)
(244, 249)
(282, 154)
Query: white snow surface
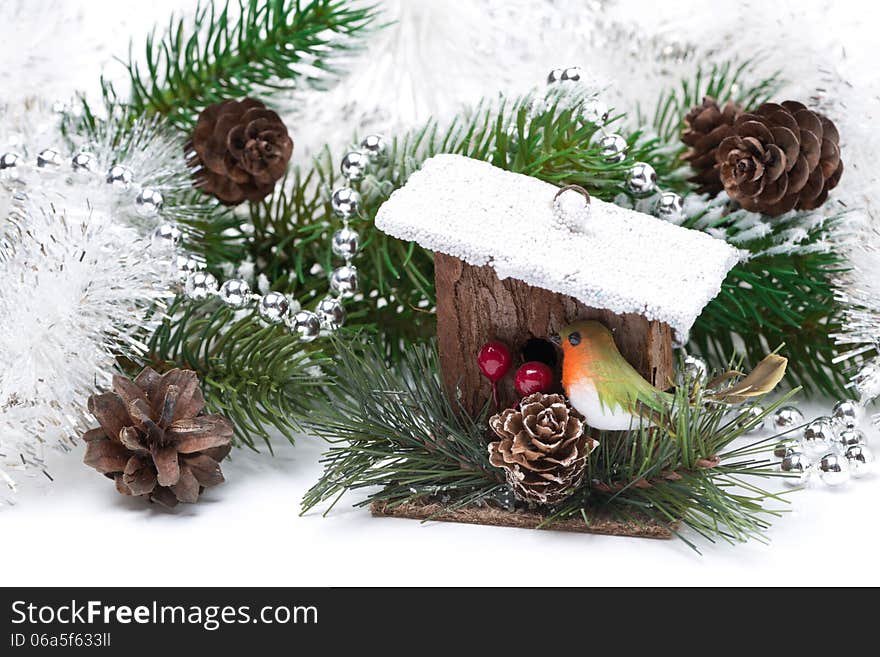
(623, 261)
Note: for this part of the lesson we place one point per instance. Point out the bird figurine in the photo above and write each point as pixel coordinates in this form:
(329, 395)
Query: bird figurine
(613, 396)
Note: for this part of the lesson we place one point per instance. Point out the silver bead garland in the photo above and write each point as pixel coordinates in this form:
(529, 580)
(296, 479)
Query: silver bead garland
(275, 307)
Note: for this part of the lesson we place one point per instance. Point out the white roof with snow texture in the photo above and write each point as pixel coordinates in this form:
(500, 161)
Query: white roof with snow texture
(622, 261)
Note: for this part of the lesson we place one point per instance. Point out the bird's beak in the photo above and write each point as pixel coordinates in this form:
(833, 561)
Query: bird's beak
(556, 339)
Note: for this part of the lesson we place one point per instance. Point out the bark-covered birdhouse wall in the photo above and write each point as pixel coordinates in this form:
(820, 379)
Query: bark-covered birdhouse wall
(474, 306)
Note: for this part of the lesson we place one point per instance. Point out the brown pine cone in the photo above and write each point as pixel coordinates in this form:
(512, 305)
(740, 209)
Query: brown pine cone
(543, 448)
(706, 125)
(154, 441)
(239, 150)
(779, 158)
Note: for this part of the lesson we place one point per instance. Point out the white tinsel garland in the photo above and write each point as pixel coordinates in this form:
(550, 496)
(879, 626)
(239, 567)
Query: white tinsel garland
(83, 282)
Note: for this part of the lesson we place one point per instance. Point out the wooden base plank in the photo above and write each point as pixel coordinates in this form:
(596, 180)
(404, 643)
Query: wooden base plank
(488, 515)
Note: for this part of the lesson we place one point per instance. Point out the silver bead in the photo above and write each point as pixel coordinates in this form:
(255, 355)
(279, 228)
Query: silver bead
(120, 175)
(787, 417)
(595, 111)
(614, 147)
(330, 313)
(49, 157)
(235, 293)
(641, 179)
(819, 435)
(786, 446)
(85, 161)
(375, 148)
(571, 74)
(345, 243)
(148, 202)
(695, 370)
(860, 460)
(200, 285)
(554, 76)
(834, 469)
(748, 416)
(345, 202)
(9, 160)
(797, 465)
(306, 325)
(846, 414)
(187, 264)
(669, 207)
(849, 437)
(344, 281)
(274, 307)
(166, 235)
(354, 165)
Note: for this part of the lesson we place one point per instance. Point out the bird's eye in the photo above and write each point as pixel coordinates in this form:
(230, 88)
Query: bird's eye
(574, 339)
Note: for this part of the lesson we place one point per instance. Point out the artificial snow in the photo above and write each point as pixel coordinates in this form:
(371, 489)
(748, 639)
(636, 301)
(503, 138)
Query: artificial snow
(622, 261)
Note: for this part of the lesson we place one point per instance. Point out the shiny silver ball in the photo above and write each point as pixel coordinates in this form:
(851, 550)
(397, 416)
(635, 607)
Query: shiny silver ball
(613, 147)
(595, 111)
(345, 202)
(49, 157)
(786, 446)
(187, 264)
(669, 207)
(833, 469)
(120, 176)
(641, 179)
(571, 74)
(375, 148)
(819, 435)
(787, 417)
(849, 437)
(750, 415)
(274, 307)
(9, 160)
(344, 281)
(354, 165)
(166, 236)
(148, 202)
(84, 161)
(554, 76)
(306, 325)
(330, 313)
(200, 285)
(798, 466)
(345, 243)
(846, 414)
(695, 370)
(860, 460)
(235, 293)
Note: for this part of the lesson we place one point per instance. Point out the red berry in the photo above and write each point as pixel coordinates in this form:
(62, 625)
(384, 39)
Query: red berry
(533, 377)
(494, 360)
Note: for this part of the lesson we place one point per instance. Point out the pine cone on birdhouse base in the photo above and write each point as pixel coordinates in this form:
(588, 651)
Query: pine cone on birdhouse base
(154, 440)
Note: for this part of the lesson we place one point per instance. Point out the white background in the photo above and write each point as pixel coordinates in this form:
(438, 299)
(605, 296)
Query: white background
(249, 531)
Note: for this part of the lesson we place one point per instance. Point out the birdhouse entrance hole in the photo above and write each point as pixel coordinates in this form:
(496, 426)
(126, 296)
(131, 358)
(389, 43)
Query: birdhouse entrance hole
(541, 350)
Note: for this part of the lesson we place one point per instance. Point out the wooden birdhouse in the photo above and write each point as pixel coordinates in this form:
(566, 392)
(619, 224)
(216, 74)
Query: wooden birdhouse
(515, 261)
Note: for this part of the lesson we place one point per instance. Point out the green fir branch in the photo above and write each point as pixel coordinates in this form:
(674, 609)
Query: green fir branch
(392, 427)
(242, 48)
(782, 293)
(261, 377)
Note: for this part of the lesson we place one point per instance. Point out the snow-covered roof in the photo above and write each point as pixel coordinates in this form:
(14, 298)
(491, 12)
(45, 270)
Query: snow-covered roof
(622, 260)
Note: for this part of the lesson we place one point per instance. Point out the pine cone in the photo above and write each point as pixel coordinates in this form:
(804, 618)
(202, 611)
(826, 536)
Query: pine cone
(779, 158)
(153, 440)
(239, 150)
(543, 448)
(705, 127)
